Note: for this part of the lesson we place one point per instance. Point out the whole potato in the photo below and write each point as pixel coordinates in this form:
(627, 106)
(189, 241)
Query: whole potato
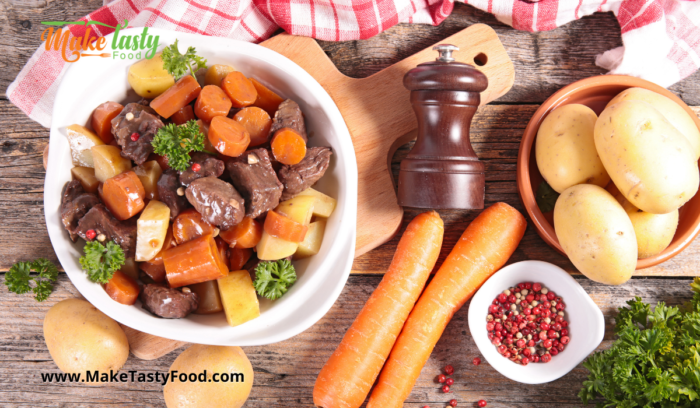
(216, 361)
(596, 234)
(648, 159)
(148, 77)
(672, 111)
(565, 149)
(654, 232)
(80, 338)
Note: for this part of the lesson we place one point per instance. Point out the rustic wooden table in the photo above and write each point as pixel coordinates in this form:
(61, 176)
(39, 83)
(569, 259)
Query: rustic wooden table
(285, 372)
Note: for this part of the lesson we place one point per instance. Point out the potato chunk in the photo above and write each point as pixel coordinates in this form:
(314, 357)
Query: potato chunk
(238, 297)
(148, 78)
(324, 205)
(149, 173)
(81, 140)
(109, 162)
(86, 177)
(151, 229)
(312, 242)
(216, 73)
(299, 209)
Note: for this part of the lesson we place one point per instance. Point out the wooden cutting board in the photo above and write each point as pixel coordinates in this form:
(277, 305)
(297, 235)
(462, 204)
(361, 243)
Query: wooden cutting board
(380, 118)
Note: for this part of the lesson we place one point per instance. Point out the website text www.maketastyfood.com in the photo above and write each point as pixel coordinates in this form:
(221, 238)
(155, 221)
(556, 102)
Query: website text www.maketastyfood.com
(136, 376)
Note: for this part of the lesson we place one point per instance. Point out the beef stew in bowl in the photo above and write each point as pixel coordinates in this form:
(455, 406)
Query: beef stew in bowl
(231, 194)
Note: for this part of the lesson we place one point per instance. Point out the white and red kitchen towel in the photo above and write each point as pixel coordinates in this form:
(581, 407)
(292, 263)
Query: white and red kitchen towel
(661, 38)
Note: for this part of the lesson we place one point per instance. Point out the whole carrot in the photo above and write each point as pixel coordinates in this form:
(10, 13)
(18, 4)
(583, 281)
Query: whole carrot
(484, 247)
(349, 373)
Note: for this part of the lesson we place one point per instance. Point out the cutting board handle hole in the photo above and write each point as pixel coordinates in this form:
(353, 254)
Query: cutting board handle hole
(481, 59)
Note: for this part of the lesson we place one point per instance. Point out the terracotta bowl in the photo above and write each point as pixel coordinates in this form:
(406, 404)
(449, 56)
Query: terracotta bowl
(595, 93)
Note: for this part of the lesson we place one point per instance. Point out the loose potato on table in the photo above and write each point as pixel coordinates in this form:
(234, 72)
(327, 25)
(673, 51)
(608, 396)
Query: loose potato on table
(214, 391)
(648, 159)
(654, 232)
(672, 111)
(80, 338)
(565, 149)
(596, 234)
(148, 77)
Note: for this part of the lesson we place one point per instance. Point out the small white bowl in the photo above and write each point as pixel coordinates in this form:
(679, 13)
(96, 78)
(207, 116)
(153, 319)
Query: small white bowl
(91, 81)
(586, 322)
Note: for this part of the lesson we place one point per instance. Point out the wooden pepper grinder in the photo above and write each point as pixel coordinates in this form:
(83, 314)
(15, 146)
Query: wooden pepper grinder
(442, 170)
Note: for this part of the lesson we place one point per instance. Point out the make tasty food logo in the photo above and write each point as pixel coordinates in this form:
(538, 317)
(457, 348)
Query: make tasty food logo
(80, 41)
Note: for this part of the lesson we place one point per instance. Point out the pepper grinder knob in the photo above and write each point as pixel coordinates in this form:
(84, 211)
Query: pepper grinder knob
(442, 171)
(445, 51)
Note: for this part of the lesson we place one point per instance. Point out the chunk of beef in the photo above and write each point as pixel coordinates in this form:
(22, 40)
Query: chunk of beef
(140, 119)
(306, 173)
(167, 302)
(75, 202)
(253, 176)
(209, 166)
(168, 184)
(289, 115)
(217, 201)
(121, 232)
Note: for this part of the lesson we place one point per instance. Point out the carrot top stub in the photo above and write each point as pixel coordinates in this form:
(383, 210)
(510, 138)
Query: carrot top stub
(349, 373)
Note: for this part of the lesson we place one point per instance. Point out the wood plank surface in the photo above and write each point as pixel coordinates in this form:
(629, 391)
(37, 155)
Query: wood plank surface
(285, 372)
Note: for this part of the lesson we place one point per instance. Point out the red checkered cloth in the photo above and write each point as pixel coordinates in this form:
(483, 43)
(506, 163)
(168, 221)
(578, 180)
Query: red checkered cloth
(661, 37)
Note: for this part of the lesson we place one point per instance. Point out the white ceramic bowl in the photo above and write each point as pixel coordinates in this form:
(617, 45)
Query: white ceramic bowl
(586, 323)
(92, 81)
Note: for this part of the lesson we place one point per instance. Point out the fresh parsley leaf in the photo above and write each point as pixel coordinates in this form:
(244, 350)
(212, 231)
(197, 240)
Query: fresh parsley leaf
(177, 64)
(273, 278)
(176, 142)
(546, 197)
(655, 360)
(18, 278)
(100, 261)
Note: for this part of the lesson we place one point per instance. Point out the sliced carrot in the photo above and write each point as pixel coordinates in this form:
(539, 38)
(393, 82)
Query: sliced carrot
(216, 73)
(484, 247)
(239, 89)
(288, 146)
(246, 234)
(189, 225)
(184, 115)
(349, 373)
(223, 248)
(266, 99)
(211, 102)
(193, 262)
(102, 119)
(284, 228)
(239, 257)
(176, 97)
(122, 288)
(123, 195)
(228, 137)
(257, 122)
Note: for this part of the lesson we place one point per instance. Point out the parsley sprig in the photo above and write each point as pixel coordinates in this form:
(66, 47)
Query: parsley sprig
(176, 142)
(655, 361)
(177, 64)
(273, 278)
(19, 276)
(101, 261)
